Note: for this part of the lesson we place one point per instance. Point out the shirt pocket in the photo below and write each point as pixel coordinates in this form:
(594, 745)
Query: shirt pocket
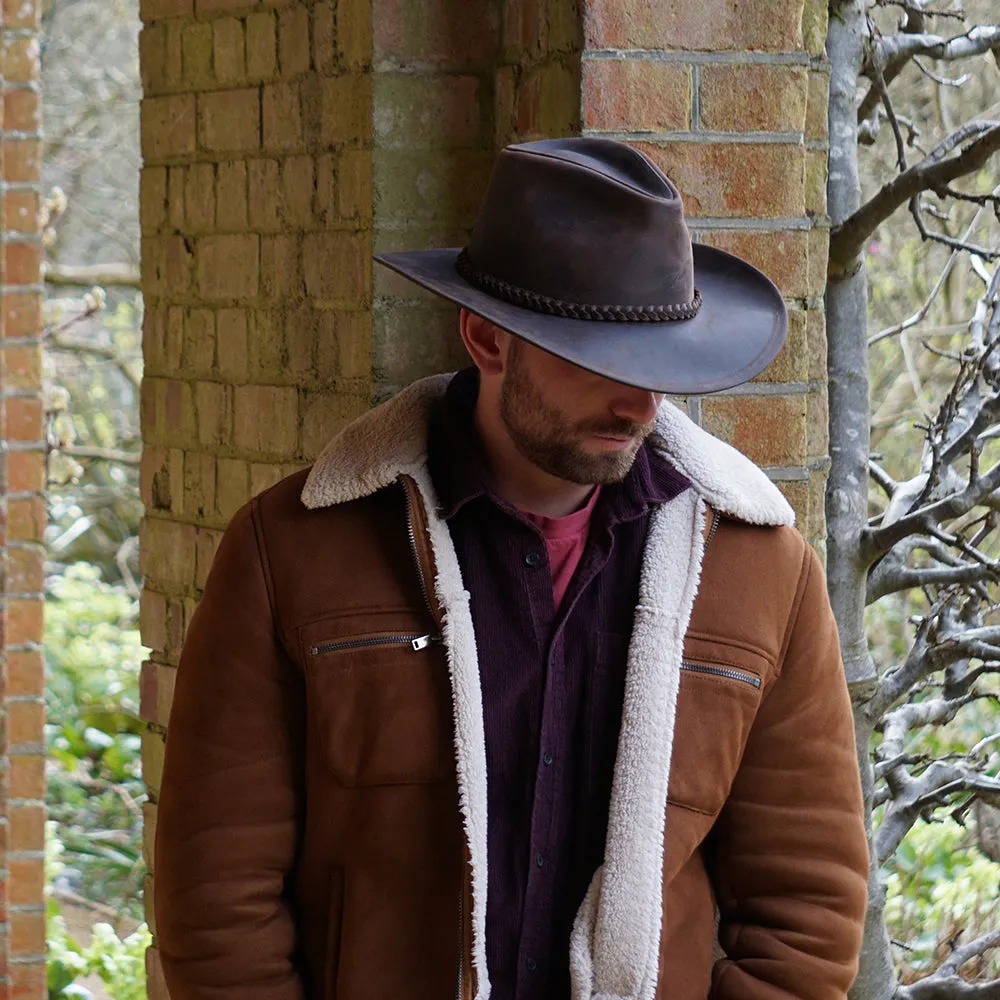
(717, 702)
(380, 705)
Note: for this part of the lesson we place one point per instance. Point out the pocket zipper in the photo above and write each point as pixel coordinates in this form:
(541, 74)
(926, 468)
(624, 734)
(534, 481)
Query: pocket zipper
(744, 676)
(417, 642)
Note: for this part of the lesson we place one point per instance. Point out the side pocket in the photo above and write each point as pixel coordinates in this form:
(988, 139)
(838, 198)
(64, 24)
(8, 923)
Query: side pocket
(335, 919)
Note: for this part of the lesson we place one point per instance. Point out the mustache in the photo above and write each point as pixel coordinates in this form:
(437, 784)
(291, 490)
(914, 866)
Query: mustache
(617, 428)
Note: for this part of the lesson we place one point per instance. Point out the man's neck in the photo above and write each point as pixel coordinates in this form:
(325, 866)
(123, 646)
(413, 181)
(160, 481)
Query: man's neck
(518, 480)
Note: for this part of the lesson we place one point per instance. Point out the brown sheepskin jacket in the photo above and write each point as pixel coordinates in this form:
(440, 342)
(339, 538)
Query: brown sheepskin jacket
(322, 821)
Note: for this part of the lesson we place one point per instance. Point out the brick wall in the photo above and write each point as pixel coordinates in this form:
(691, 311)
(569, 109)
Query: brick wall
(22, 515)
(734, 109)
(283, 140)
(256, 215)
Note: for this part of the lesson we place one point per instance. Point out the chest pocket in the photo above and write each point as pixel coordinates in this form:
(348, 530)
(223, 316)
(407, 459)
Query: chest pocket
(717, 702)
(379, 705)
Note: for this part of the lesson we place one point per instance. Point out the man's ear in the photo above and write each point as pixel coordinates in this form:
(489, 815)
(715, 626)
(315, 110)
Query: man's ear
(484, 341)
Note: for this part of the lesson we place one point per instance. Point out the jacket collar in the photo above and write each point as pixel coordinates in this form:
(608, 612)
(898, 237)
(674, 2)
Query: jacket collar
(391, 440)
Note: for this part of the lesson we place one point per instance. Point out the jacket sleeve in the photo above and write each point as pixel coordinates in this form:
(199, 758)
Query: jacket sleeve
(791, 855)
(229, 803)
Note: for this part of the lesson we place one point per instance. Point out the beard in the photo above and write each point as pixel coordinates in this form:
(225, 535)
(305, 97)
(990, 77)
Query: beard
(550, 440)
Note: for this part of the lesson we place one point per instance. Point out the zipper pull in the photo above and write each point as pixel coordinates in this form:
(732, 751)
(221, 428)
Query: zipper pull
(422, 642)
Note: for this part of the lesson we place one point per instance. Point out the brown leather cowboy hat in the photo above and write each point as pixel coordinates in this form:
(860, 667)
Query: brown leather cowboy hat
(581, 248)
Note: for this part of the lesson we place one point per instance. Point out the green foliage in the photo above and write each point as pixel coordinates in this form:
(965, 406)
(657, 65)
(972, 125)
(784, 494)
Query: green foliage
(940, 886)
(95, 790)
(119, 963)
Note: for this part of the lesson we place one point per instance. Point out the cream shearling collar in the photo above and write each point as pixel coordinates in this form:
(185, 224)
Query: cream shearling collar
(391, 440)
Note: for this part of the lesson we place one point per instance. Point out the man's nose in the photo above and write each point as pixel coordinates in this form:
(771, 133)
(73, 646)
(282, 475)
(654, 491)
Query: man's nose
(637, 405)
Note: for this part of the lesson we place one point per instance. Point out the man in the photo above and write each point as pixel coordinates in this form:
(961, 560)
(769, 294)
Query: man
(527, 688)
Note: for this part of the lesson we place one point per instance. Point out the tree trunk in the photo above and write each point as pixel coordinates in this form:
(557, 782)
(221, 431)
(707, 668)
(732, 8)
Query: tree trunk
(847, 488)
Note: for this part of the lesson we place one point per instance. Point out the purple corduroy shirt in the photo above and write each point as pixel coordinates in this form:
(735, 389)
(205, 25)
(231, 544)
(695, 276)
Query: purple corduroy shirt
(553, 687)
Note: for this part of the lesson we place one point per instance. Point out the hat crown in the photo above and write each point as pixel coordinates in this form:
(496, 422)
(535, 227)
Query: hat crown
(584, 220)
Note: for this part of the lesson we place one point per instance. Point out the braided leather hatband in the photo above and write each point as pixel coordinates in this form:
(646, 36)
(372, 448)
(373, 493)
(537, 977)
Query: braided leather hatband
(573, 310)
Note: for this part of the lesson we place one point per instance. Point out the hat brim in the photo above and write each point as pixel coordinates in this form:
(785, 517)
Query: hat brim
(738, 331)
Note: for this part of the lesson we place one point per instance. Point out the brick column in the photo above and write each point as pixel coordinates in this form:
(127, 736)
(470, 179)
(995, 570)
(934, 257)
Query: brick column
(256, 206)
(733, 107)
(22, 511)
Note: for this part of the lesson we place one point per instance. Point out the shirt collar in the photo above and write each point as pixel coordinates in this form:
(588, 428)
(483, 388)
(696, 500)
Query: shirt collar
(460, 473)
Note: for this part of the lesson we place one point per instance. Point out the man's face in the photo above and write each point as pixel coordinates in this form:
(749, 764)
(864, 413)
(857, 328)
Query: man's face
(572, 424)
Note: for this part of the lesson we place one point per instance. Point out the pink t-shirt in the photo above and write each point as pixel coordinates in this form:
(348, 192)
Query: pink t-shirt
(565, 540)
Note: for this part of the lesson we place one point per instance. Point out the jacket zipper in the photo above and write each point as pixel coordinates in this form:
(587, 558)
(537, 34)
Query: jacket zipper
(412, 532)
(461, 942)
(716, 517)
(744, 676)
(418, 642)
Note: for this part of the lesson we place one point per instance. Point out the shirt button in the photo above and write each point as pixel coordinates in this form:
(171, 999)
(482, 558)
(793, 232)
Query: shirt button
(532, 965)
(540, 860)
(532, 559)
(546, 759)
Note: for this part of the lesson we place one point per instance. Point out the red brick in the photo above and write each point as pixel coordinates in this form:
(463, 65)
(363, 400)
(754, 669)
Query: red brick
(455, 32)
(199, 485)
(713, 25)
(27, 827)
(22, 314)
(28, 980)
(23, 263)
(214, 406)
(152, 760)
(264, 196)
(199, 198)
(23, 418)
(233, 487)
(231, 334)
(783, 255)
(22, 367)
(199, 342)
(748, 180)
(25, 472)
(297, 192)
(25, 569)
(229, 120)
(176, 208)
(179, 262)
(217, 6)
(21, 110)
(354, 185)
(167, 126)
(22, 14)
(26, 518)
(27, 932)
(25, 723)
(21, 62)
(636, 95)
(324, 35)
(21, 212)
(27, 776)
(792, 362)
(770, 430)
(25, 673)
(22, 160)
(741, 98)
(280, 267)
(548, 102)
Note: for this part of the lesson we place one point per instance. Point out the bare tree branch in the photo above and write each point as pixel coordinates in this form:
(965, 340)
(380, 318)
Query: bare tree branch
(100, 454)
(980, 139)
(945, 983)
(88, 275)
(890, 55)
(77, 346)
